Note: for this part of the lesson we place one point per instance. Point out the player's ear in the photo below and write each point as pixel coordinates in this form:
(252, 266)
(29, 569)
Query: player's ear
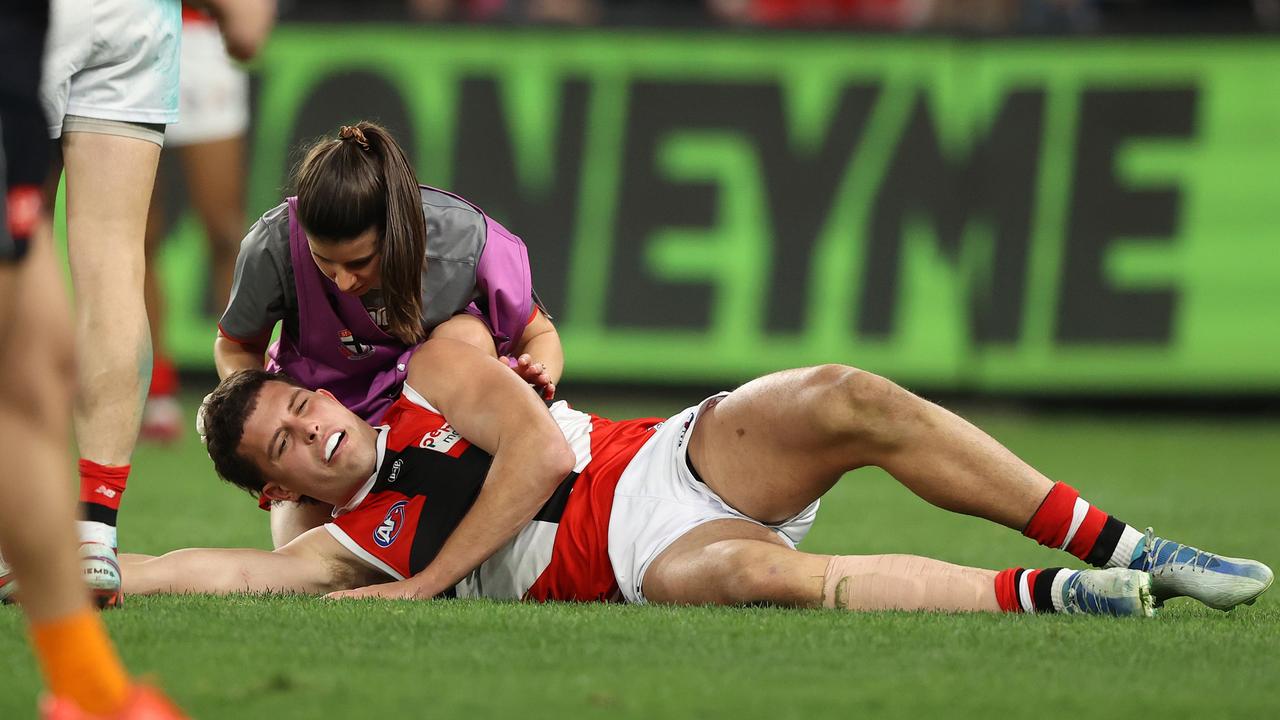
(274, 492)
(326, 393)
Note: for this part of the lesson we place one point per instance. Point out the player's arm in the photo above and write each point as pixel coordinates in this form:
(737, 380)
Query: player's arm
(496, 411)
(314, 563)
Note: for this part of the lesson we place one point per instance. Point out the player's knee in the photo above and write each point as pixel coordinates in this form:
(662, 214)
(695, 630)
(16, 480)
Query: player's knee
(746, 573)
(862, 404)
(40, 391)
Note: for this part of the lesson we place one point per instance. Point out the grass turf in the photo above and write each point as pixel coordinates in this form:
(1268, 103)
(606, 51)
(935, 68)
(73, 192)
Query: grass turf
(1206, 481)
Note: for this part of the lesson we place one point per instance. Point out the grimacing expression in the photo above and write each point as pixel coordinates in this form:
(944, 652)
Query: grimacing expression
(307, 443)
(354, 265)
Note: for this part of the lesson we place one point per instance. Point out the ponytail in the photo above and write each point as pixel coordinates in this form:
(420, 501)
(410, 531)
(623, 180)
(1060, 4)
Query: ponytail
(361, 180)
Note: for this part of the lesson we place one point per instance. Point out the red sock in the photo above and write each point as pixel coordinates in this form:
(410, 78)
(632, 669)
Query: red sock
(1067, 522)
(1026, 591)
(164, 377)
(101, 487)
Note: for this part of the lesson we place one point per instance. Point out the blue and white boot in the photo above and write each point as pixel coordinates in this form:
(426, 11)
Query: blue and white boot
(1179, 570)
(1115, 591)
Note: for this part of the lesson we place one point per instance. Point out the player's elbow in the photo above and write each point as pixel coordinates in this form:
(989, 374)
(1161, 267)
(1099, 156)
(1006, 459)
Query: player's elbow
(557, 460)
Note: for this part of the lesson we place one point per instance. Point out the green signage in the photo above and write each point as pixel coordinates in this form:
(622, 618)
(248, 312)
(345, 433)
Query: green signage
(1006, 215)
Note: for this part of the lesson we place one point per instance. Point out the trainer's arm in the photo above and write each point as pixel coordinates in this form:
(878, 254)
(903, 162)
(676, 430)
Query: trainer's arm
(314, 563)
(493, 409)
(231, 357)
(541, 343)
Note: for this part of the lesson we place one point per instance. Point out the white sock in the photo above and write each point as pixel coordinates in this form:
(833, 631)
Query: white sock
(1056, 589)
(96, 532)
(1123, 554)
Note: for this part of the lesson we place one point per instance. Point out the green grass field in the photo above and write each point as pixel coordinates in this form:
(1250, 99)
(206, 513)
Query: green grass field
(1212, 482)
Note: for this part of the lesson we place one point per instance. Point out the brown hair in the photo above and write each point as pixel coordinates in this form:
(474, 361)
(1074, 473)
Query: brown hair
(361, 180)
(224, 414)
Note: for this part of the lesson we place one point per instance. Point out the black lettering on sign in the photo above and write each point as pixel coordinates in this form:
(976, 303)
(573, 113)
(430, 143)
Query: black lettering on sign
(996, 181)
(485, 173)
(800, 190)
(1091, 309)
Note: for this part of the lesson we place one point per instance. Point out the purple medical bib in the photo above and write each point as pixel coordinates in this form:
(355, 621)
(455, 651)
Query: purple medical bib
(338, 348)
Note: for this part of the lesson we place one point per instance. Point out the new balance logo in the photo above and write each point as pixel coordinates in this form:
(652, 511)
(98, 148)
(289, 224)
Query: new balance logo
(106, 492)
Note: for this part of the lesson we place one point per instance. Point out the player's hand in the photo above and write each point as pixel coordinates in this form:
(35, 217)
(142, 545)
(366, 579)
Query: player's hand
(534, 373)
(244, 24)
(398, 590)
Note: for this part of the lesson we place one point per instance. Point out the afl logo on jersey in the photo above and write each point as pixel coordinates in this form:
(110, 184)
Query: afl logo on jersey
(352, 347)
(386, 533)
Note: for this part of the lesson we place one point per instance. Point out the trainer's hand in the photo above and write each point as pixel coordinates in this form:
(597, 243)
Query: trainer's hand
(534, 373)
(398, 590)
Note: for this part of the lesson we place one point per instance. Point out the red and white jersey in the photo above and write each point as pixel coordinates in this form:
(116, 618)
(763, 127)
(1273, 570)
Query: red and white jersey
(428, 476)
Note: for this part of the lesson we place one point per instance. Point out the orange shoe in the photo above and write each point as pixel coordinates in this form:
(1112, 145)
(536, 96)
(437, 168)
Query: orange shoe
(144, 703)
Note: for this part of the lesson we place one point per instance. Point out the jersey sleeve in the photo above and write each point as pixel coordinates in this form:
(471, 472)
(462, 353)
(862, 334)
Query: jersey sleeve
(257, 300)
(504, 286)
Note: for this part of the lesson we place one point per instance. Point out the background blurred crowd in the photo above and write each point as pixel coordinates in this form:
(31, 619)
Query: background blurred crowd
(983, 16)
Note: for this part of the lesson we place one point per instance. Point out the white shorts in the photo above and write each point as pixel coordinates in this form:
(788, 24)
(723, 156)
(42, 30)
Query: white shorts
(658, 500)
(112, 60)
(214, 90)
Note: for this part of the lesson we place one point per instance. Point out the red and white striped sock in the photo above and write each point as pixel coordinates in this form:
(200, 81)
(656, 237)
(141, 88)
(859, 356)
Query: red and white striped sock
(1030, 591)
(1068, 522)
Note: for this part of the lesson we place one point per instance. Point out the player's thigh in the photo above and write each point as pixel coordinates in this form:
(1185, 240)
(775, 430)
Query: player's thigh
(36, 368)
(108, 190)
(776, 444)
(732, 562)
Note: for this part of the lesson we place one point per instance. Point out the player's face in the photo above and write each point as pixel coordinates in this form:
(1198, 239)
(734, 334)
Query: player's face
(307, 443)
(353, 264)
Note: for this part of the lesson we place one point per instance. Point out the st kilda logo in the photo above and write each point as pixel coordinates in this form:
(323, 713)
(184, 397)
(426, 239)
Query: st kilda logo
(352, 347)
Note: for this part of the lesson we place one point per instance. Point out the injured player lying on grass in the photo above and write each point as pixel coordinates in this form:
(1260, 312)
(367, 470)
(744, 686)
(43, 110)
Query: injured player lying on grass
(705, 507)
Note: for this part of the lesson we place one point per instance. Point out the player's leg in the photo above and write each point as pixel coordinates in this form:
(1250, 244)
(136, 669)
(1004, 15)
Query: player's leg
(37, 521)
(161, 417)
(734, 562)
(773, 446)
(215, 182)
(109, 179)
(776, 444)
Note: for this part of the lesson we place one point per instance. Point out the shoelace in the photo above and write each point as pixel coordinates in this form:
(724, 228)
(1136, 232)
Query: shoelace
(1087, 601)
(1154, 544)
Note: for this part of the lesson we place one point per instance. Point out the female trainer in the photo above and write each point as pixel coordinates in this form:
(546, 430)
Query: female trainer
(362, 266)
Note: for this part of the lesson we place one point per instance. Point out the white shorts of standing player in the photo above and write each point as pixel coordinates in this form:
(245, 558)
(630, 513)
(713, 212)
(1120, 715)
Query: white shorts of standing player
(214, 96)
(111, 66)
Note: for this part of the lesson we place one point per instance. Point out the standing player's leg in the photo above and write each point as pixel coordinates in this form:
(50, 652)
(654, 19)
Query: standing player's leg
(772, 447)
(161, 417)
(215, 181)
(37, 529)
(109, 179)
